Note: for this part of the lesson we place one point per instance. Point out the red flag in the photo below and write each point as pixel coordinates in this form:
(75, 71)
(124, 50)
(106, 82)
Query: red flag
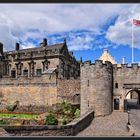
(136, 22)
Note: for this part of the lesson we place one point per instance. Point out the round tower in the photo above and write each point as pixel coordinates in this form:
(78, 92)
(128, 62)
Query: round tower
(1, 48)
(97, 88)
(104, 88)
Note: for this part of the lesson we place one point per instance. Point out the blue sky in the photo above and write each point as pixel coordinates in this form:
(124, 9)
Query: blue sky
(88, 28)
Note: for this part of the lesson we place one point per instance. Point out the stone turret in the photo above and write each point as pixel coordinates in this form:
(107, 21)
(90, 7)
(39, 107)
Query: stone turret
(17, 47)
(45, 43)
(1, 60)
(96, 87)
(1, 48)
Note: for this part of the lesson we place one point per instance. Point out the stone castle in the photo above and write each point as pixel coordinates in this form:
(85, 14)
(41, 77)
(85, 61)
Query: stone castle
(49, 74)
(107, 86)
(40, 76)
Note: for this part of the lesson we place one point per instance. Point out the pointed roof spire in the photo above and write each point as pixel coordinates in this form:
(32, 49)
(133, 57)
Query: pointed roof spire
(65, 40)
(123, 60)
(81, 60)
(107, 57)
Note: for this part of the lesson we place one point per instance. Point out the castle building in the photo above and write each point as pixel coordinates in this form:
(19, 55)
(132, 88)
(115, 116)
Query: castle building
(105, 87)
(40, 76)
(106, 56)
(36, 61)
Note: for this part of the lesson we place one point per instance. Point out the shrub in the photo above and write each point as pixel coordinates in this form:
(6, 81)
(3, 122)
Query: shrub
(2, 122)
(77, 113)
(51, 120)
(65, 120)
(67, 108)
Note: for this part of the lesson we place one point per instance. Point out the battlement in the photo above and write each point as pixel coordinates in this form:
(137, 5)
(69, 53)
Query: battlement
(98, 63)
(125, 66)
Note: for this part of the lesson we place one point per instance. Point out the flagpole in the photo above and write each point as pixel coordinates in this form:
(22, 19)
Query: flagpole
(132, 43)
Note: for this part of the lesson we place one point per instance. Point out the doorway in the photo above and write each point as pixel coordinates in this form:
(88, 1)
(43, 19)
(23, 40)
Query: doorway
(132, 100)
(116, 104)
(13, 74)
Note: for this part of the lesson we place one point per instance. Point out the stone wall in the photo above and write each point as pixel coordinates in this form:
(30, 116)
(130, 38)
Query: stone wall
(70, 129)
(39, 91)
(68, 89)
(96, 87)
(127, 79)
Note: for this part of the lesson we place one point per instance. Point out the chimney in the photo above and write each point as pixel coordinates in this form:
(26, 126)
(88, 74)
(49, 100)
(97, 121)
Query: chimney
(17, 46)
(123, 60)
(81, 60)
(105, 50)
(65, 40)
(44, 42)
(1, 48)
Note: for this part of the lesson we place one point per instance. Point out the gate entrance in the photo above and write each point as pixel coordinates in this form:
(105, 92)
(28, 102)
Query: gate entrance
(132, 100)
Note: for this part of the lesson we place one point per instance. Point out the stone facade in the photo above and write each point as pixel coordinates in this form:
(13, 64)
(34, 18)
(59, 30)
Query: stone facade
(126, 80)
(35, 61)
(105, 86)
(31, 76)
(96, 87)
(69, 90)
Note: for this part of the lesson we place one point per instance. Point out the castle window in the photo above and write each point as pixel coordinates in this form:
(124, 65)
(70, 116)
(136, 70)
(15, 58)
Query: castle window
(13, 74)
(116, 85)
(88, 103)
(38, 72)
(45, 64)
(88, 83)
(25, 72)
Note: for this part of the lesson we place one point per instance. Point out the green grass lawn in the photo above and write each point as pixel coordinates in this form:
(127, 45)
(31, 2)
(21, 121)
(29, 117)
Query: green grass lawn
(18, 116)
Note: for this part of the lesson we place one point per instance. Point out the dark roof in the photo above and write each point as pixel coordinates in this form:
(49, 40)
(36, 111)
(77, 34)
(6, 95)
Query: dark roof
(55, 46)
(49, 47)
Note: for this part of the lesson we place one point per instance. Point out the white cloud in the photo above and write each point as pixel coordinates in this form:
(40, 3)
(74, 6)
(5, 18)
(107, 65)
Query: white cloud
(27, 45)
(121, 32)
(18, 20)
(6, 36)
(80, 42)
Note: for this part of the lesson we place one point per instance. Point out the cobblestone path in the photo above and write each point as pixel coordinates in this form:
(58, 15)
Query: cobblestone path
(134, 119)
(111, 125)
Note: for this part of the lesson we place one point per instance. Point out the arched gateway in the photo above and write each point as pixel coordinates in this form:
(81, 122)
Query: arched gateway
(132, 97)
(126, 97)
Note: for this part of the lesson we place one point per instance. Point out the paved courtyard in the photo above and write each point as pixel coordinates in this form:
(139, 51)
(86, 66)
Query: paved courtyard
(134, 119)
(111, 125)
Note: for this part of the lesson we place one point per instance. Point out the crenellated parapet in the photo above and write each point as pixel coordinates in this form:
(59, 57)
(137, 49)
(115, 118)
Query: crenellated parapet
(98, 64)
(126, 67)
